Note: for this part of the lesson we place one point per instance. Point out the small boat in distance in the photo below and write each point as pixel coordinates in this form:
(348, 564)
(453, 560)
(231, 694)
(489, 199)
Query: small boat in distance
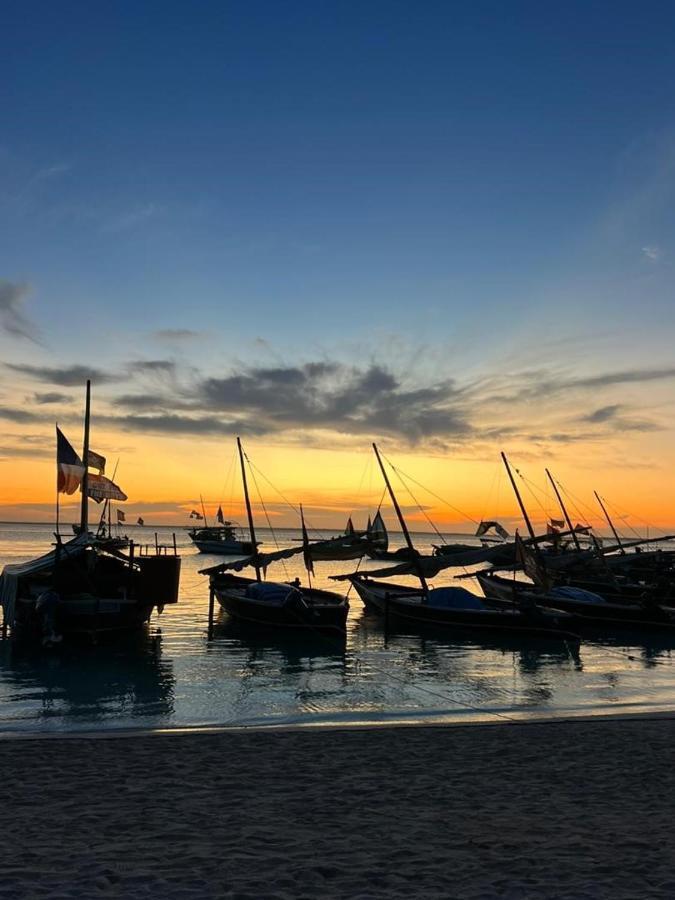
(223, 539)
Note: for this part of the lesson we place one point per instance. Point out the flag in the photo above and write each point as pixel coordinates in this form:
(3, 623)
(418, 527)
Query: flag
(96, 461)
(551, 529)
(306, 552)
(484, 527)
(69, 466)
(195, 515)
(140, 521)
(532, 565)
(582, 529)
(101, 488)
(219, 515)
(558, 523)
(120, 516)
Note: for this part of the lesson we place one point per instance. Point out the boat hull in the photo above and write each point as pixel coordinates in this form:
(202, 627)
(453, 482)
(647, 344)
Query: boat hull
(308, 609)
(617, 615)
(406, 604)
(224, 548)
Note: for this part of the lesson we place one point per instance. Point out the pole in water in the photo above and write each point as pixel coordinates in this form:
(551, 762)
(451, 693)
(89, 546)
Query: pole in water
(212, 594)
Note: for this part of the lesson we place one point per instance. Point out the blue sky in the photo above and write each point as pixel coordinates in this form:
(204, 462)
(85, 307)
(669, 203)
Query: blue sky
(446, 191)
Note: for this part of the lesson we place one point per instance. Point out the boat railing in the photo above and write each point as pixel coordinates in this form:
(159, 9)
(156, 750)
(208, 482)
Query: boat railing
(154, 549)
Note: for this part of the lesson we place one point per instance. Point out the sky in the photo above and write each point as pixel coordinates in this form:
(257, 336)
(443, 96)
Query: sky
(445, 227)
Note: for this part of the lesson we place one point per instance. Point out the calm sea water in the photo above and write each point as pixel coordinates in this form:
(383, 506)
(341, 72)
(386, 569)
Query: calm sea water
(173, 676)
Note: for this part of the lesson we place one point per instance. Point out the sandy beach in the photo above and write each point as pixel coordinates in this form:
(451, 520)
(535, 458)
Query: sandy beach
(565, 810)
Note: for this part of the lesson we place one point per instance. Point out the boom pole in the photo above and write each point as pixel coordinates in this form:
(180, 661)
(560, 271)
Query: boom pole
(518, 497)
(611, 524)
(404, 527)
(575, 537)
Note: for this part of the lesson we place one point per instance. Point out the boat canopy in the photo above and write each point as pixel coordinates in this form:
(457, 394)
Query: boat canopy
(9, 579)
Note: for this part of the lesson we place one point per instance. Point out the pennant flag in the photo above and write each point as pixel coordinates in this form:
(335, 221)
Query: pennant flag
(101, 488)
(306, 552)
(140, 521)
(219, 515)
(120, 516)
(96, 461)
(484, 527)
(531, 564)
(558, 523)
(69, 466)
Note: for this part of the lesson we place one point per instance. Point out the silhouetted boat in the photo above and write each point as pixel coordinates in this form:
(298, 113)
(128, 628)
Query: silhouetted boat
(272, 603)
(83, 586)
(222, 539)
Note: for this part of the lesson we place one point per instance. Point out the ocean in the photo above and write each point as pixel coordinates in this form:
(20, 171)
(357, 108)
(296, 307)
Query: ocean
(174, 676)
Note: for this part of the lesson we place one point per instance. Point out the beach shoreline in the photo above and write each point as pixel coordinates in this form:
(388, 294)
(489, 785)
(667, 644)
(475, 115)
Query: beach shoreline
(564, 808)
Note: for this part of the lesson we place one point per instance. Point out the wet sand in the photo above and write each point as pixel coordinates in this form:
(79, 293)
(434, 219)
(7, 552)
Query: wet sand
(565, 810)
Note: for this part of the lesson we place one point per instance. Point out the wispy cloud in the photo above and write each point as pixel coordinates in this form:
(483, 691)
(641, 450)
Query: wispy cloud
(131, 219)
(12, 317)
(176, 335)
(65, 376)
(652, 253)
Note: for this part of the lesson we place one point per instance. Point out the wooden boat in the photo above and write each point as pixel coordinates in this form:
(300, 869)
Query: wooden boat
(220, 539)
(274, 604)
(586, 606)
(457, 608)
(450, 607)
(83, 586)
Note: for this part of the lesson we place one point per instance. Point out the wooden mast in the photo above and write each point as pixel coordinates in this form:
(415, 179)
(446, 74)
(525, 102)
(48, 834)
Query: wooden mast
(84, 511)
(611, 524)
(575, 537)
(249, 512)
(518, 497)
(404, 527)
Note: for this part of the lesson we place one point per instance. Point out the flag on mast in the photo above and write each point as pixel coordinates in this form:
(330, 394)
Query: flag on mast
(101, 488)
(96, 461)
(140, 521)
(69, 466)
(120, 516)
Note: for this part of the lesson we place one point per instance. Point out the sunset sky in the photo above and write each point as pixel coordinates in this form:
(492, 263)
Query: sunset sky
(446, 227)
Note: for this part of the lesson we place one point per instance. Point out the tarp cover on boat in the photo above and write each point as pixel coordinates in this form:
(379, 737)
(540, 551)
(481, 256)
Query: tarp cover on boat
(9, 579)
(572, 593)
(453, 598)
(271, 592)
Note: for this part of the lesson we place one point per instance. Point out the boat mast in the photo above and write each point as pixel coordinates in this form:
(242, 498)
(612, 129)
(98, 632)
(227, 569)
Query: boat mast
(84, 511)
(611, 524)
(518, 497)
(206, 521)
(575, 537)
(404, 527)
(249, 512)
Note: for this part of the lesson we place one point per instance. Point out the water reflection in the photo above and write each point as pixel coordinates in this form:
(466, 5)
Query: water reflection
(96, 683)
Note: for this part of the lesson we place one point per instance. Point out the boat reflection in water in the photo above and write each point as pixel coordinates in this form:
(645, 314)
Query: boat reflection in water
(108, 684)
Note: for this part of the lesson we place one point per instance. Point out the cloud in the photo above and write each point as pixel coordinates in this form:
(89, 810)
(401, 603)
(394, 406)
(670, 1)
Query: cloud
(652, 253)
(131, 219)
(176, 334)
(604, 414)
(65, 376)
(12, 318)
(19, 415)
(153, 366)
(51, 397)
